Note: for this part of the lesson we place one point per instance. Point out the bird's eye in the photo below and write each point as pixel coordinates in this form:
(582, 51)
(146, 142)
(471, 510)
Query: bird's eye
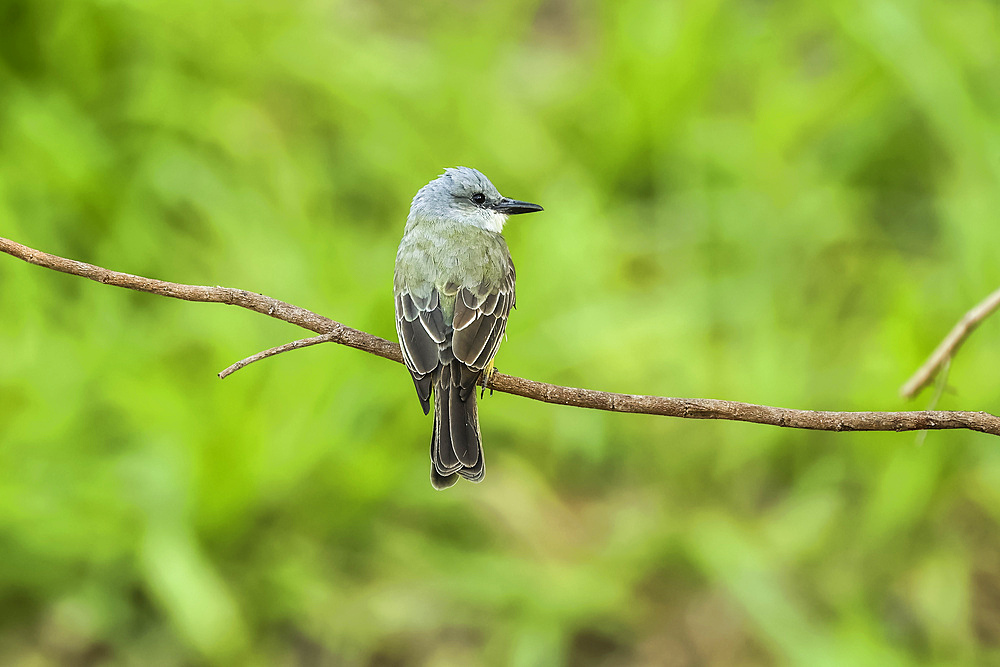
(478, 199)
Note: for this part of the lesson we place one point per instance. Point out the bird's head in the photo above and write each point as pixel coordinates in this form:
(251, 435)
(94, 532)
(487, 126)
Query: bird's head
(466, 196)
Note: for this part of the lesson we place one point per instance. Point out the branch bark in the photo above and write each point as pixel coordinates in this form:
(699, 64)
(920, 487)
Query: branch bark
(689, 408)
(259, 303)
(294, 345)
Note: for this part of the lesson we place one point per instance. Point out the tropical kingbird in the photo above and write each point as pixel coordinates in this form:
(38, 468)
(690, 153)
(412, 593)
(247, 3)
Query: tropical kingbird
(454, 286)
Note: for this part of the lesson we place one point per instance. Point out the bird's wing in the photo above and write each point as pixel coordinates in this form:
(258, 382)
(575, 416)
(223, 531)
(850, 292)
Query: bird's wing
(422, 334)
(472, 337)
(479, 322)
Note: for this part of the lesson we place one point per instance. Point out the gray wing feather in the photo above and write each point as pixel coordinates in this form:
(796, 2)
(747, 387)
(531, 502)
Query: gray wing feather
(419, 350)
(489, 305)
(465, 314)
(420, 334)
(433, 324)
(483, 320)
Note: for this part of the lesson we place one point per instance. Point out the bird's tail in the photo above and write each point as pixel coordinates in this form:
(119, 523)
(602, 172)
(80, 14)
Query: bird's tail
(456, 445)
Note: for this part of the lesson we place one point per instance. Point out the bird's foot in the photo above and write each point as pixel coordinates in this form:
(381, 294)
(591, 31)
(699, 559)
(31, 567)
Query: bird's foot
(487, 376)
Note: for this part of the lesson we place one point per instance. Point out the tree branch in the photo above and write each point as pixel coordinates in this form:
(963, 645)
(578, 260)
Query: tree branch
(294, 345)
(949, 346)
(279, 310)
(690, 408)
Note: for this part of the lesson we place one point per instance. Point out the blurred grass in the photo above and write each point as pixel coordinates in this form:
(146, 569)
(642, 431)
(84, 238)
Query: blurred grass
(786, 203)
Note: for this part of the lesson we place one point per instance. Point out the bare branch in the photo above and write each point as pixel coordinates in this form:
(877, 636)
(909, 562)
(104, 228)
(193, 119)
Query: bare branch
(294, 345)
(689, 408)
(710, 408)
(280, 310)
(949, 346)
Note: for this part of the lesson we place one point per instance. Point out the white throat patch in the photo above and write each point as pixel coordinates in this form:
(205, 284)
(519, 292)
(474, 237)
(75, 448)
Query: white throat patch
(492, 221)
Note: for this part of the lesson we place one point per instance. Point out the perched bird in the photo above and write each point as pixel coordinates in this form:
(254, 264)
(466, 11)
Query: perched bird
(454, 286)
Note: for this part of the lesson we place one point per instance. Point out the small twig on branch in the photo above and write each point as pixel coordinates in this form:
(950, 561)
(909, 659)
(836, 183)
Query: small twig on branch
(946, 350)
(294, 345)
(690, 408)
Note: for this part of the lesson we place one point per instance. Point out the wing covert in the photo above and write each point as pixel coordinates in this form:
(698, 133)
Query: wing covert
(480, 321)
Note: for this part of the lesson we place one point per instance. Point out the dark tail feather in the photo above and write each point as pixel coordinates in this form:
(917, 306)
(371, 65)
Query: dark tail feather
(456, 446)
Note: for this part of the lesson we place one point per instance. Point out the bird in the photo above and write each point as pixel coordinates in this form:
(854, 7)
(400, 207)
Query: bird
(454, 287)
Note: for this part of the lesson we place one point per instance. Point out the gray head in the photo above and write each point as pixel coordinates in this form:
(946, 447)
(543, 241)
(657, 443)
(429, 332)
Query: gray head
(464, 195)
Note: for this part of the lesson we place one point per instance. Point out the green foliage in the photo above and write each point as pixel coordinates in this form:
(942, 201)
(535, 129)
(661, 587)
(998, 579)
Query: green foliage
(784, 203)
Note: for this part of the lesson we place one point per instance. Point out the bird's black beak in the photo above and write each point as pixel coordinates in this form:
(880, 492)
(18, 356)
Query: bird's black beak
(513, 207)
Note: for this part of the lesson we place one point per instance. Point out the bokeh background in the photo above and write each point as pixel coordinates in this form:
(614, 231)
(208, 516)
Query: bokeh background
(786, 203)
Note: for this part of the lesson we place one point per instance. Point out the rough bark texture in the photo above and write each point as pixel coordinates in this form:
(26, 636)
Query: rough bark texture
(688, 408)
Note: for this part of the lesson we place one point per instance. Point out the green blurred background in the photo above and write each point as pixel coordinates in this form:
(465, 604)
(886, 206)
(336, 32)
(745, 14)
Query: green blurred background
(786, 203)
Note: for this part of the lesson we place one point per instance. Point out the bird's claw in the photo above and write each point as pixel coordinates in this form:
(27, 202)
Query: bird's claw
(487, 376)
